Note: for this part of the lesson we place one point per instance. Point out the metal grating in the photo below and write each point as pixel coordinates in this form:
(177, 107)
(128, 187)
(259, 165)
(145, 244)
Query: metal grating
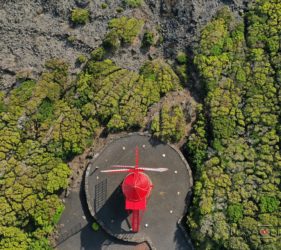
(100, 194)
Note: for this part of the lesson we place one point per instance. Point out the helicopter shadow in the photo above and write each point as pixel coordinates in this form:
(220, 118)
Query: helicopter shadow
(113, 214)
(181, 237)
(154, 142)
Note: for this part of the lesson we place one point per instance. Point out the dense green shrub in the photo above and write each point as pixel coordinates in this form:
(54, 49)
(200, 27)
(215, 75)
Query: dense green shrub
(40, 244)
(237, 185)
(148, 39)
(98, 54)
(44, 124)
(122, 30)
(181, 58)
(22, 93)
(160, 72)
(126, 28)
(80, 16)
(2, 103)
(104, 5)
(95, 226)
(58, 72)
(71, 39)
(181, 69)
(269, 204)
(81, 59)
(133, 3)
(169, 126)
(119, 9)
(45, 110)
(235, 212)
(32, 175)
(122, 97)
(29, 200)
(111, 41)
(58, 213)
(197, 143)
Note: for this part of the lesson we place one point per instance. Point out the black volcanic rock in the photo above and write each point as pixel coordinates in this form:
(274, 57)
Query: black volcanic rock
(34, 31)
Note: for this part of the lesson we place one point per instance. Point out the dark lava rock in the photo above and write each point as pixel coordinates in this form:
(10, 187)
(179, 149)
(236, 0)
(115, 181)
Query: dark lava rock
(82, 3)
(35, 31)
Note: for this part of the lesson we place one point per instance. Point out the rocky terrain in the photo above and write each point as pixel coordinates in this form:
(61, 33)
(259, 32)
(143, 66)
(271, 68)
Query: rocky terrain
(33, 31)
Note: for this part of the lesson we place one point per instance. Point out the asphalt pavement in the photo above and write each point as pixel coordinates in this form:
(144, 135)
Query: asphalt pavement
(166, 205)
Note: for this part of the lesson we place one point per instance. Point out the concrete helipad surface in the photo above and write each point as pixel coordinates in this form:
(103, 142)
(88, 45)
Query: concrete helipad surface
(166, 205)
(75, 231)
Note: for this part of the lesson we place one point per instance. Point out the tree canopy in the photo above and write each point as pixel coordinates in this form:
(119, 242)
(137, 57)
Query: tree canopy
(237, 187)
(45, 123)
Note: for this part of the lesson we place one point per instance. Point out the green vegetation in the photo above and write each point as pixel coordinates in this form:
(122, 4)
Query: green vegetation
(235, 212)
(98, 54)
(81, 59)
(181, 68)
(44, 124)
(169, 125)
(181, 58)
(234, 147)
(181, 72)
(104, 5)
(237, 186)
(133, 3)
(80, 16)
(119, 9)
(161, 73)
(29, 207)
(2, 104)
(269, 204)
(120, 98)
(123, 30)
(95, 226)
(111, 41)
(197, 143)
(148, 39)
(71, 39)
(31, 174)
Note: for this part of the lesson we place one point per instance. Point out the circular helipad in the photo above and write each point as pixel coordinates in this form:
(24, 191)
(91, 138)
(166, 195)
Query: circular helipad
(167, 203)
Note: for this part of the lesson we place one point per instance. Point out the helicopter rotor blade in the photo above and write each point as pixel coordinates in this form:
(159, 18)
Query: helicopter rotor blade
(154, 169)
(121, 166)
(142, 168)
(115, 170)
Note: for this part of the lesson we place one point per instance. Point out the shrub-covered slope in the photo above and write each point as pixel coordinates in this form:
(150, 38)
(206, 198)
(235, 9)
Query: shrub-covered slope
(120, 98)
(43, 124)
(237, 188)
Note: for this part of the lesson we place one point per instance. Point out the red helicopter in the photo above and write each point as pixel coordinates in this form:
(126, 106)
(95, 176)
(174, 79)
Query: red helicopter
(136, 188)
